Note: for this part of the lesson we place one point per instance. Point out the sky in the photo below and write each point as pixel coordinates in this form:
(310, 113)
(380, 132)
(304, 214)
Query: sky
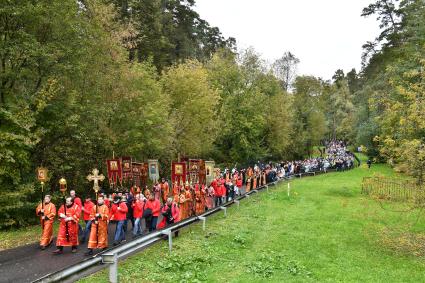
(325, 35)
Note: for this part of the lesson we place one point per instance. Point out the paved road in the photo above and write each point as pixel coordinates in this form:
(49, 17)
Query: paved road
(28, 263)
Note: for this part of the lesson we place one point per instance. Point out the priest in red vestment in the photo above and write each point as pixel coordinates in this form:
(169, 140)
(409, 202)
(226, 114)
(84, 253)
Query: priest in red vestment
(47, 213)
(68, 227)
(99, 226)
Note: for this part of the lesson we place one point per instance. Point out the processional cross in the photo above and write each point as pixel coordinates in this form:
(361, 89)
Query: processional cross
(95, 178)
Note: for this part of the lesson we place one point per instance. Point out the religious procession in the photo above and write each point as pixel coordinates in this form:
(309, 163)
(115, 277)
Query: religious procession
(195, 187)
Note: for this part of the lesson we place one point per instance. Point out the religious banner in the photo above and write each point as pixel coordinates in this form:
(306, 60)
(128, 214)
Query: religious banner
(153, 170)
(42, 174)
(137, 172)
(209, 171)
(194, 170)
(127, 171)
(202, 172)
(114, 171)
(178, 172)
(144, 174)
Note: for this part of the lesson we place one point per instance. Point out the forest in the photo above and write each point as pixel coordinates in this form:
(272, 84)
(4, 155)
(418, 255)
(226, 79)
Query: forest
(83, 80)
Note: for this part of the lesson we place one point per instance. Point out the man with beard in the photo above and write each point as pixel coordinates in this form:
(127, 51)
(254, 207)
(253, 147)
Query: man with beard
(68, 227)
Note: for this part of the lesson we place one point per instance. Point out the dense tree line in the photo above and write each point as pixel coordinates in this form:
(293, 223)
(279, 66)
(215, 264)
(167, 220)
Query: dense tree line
(80, 80)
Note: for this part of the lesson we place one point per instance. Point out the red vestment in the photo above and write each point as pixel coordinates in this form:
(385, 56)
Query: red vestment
(165, 191)
(72, 239)
(199, 205)
(46, 225)
(99, 239)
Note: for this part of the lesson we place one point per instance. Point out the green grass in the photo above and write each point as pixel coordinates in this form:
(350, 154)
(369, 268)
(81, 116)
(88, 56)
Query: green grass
(326, 231)
(18, 237)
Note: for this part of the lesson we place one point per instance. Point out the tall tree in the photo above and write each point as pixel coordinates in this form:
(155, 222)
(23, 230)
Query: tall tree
(285, 69)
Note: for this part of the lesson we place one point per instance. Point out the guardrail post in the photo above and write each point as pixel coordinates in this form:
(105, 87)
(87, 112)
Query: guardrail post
(203, 219)
(267, 188)
(112, 260)
(248, 196)
(237, 202)
(170, 238)
(225, 210)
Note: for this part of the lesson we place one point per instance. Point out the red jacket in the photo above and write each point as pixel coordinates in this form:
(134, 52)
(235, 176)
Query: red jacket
(239, 183)
(78, 202)
(137, 209)
(155, 205)
(119, 214)
(88, 205)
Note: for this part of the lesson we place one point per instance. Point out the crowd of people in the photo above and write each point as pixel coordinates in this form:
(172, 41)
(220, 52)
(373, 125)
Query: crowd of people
(154, 208)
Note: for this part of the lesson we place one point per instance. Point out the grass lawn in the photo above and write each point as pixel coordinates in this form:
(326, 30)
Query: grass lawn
(325, 231)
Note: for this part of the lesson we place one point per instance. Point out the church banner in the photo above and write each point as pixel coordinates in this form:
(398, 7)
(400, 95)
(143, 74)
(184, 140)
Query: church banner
(194, 170)
(209, 171)
(153, 170)
(137, 172)
(127, 170)
(202, 172)
(114, 171)
(144, 174)
(178, 172)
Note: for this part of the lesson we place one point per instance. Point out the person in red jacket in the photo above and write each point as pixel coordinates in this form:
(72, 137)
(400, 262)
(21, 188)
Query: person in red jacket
(119, 215)
(238, 186)
(170, 213)
(137, 214)
(155, 206)
(86, 209)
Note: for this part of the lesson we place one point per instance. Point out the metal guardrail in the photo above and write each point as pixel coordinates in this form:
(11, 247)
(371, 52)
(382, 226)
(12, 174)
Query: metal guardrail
(112, 255)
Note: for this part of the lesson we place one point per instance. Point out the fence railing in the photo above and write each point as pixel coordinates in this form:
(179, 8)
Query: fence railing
(393, 189)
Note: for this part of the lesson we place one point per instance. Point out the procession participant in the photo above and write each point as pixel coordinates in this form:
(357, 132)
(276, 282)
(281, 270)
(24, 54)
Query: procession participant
(189, 201)
(134, 190)
(119, 215)
(106, 200)
(199, 204)
(147, 192)
(203, 196)
(129, 202)
(238, 186)
(155, 206)
(217, 194)
(137, 214)
(69, 215)
(170, 213)
(157, 191)
(86, 209)
(249, 179)
(99, 217)
(47, 213)
(165, 190)
(77, 201)
(209, 199)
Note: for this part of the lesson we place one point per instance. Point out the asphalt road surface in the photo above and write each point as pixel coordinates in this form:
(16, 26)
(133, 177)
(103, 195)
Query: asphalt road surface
(28, 263)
